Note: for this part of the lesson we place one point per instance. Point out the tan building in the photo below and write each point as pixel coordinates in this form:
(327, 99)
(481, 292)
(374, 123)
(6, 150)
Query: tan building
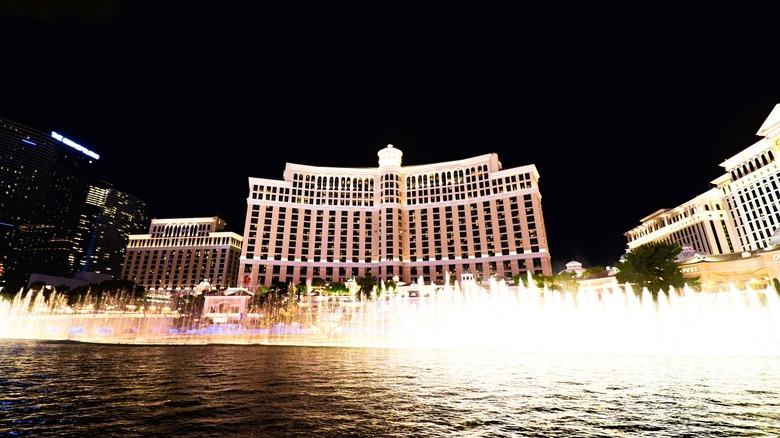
(702, 223)
(601, 282)
(178, 254)
(335, 223)
(739, 213)
(750, 269)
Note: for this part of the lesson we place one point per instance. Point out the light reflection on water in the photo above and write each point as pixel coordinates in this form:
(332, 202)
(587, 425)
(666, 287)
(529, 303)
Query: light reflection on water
(70, 389)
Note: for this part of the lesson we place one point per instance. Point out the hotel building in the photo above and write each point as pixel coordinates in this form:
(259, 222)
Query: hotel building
(178, 254)
(107, 220)
(740, 213)
(44, 180)
(392, 221)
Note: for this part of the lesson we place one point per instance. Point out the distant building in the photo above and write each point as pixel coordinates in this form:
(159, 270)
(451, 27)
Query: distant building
(574, 267)
(225, 308)
(739, 213)
(76, 280)
(43, 182)
(109, 218)
(423, 221)
(601, 282)
(178, 254)
(757, 269)
(702, 223)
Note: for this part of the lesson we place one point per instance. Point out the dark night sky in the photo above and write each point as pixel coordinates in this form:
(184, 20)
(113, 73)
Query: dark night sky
(623, 109)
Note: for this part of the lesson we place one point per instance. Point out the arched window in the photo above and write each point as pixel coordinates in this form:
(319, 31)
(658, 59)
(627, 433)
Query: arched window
(763, 158)
(771, 155)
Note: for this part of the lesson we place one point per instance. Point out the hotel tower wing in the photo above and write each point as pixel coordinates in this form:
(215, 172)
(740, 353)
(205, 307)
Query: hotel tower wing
(394, 222)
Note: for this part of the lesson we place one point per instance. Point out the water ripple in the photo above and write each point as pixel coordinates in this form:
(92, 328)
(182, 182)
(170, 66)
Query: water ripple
(71, 389)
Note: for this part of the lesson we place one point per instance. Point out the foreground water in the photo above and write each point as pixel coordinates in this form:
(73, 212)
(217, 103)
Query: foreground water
(75, 389)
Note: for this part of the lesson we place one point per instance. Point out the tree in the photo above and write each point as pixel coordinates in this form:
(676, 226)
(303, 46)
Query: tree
(539, 279)
(11, 288)
(279, 288)
(338, 287)
(693, 283)
(593, 270)
(652, 266)
(566, 282)
(301, 289)
(365, 286)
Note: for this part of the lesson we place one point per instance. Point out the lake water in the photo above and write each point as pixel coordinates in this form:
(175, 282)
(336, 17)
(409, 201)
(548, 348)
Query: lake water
(76, 389)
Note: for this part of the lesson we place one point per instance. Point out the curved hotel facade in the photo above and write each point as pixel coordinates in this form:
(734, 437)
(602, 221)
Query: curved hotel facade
(392, 221)
(741, 211)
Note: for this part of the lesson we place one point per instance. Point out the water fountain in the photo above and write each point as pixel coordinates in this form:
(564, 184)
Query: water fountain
(461, 316)
(32, 315)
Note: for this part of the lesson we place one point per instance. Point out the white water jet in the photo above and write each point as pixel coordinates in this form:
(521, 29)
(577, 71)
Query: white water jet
(461, 316)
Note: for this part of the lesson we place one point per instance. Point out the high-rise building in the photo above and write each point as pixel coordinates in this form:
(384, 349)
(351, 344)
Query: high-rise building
(107, 220)
(740, 213)
(178, 254)
(43, 182)
(424, 221)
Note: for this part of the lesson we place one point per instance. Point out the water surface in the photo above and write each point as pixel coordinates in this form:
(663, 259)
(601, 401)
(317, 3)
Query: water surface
(75, 389)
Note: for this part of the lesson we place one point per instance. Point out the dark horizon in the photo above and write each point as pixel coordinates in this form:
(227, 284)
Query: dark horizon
(624, 110)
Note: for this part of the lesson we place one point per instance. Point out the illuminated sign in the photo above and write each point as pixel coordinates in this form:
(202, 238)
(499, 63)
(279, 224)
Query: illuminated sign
(691, 269)
(75, 145)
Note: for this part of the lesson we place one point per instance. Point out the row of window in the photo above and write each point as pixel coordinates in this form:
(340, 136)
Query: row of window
(265, 275)
(278, 238)
(752, 165)
(181, 230)
(754, 211)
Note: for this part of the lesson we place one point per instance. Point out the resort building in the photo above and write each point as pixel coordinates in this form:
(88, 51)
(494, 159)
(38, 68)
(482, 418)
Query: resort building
(751, 187)
(178, 254)
(740, 213)
(702, 223)
(408, 222)
(755, 269)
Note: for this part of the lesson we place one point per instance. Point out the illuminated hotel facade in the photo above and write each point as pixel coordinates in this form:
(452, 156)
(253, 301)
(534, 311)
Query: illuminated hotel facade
(44, 179)
(178, 254)
(740, 213)
(392, 221)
